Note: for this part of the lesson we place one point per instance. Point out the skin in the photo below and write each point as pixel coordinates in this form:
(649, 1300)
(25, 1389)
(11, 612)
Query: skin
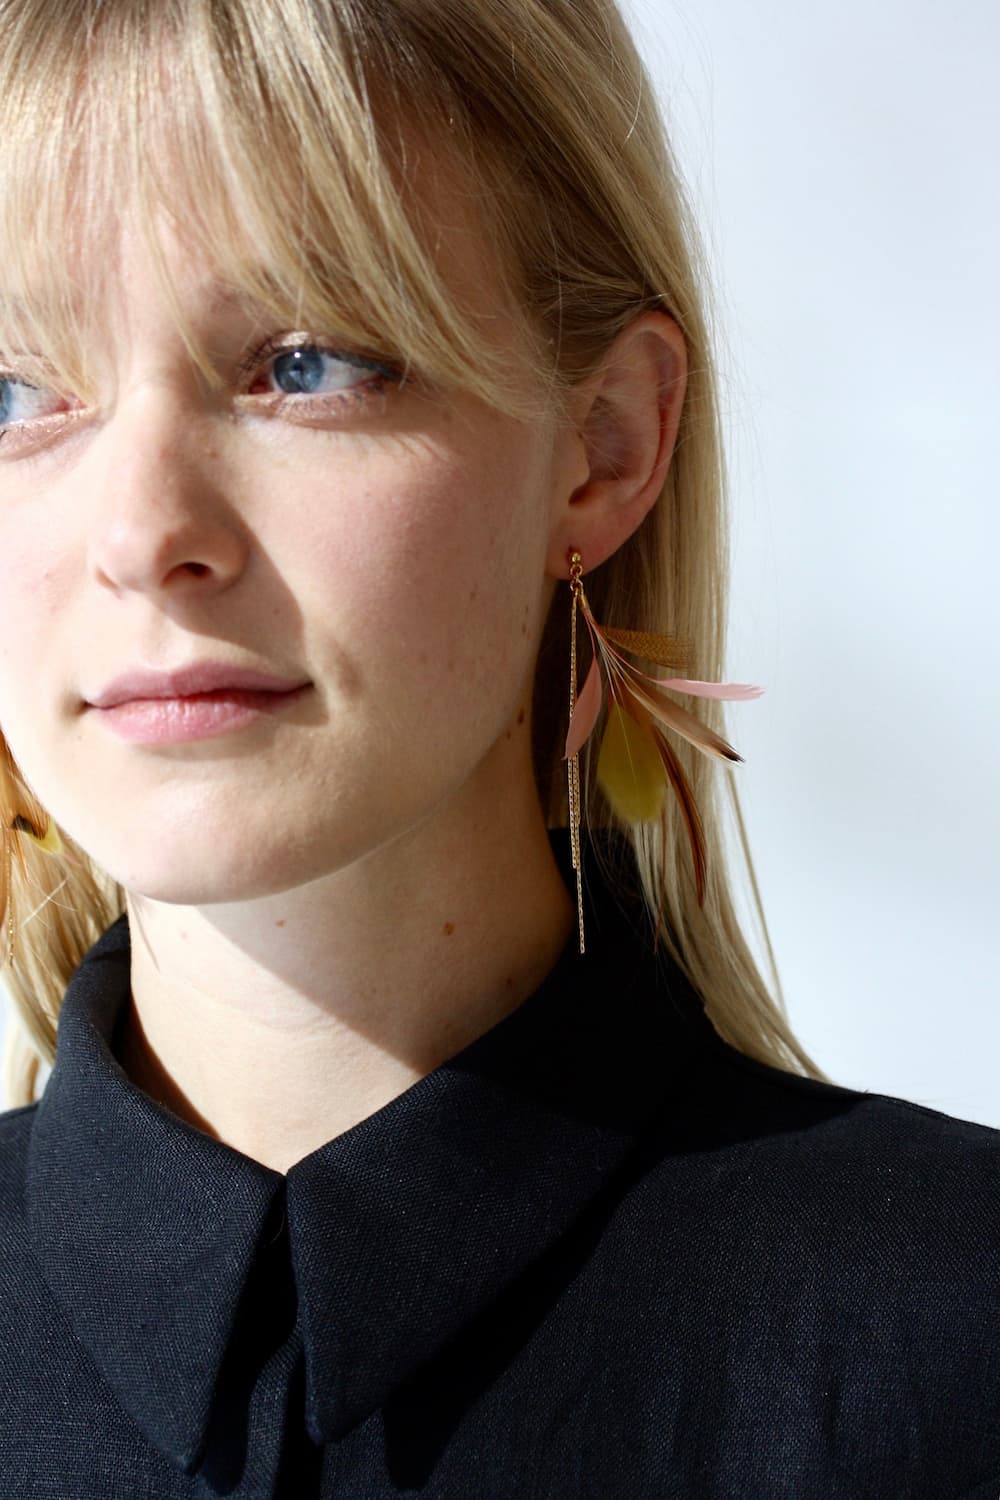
(328, 904)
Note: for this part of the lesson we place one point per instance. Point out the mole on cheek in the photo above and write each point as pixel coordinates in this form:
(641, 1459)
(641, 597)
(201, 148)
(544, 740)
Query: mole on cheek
(448, 929)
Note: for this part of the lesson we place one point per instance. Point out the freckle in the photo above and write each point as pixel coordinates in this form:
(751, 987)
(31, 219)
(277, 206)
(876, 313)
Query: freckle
(508, 733)
(448, 929)
(510, 981)
(281, 923)
(520, 717)
(524, 630)
(474, 591)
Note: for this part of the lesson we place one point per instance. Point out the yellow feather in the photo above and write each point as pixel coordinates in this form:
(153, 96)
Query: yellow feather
(629, 768)
(49, 840)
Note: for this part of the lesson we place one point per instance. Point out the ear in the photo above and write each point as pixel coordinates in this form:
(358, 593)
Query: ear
(625, 420)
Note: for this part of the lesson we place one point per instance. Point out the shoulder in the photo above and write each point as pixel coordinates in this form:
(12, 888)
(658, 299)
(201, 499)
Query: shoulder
(843, 1180)
(856, 1127)
(825, 1255)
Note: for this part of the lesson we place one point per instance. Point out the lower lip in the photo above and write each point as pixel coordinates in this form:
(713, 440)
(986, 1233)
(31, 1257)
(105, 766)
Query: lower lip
(201, 716)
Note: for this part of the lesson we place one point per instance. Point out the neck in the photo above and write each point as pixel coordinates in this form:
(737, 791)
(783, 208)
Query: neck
(278, 1024)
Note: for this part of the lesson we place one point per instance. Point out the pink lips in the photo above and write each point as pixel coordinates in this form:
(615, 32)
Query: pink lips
(189, 703)
(181, 682)
(198, 716)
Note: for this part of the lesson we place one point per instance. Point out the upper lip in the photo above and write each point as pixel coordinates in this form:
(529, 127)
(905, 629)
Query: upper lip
(181, 682)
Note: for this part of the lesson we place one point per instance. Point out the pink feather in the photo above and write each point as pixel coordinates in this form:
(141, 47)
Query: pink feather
(735, 690)
(588, 706)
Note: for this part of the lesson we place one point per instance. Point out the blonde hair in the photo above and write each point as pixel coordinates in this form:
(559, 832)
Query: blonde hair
(288, 125)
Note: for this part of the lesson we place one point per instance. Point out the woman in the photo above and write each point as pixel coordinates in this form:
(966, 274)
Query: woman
(419, 1121)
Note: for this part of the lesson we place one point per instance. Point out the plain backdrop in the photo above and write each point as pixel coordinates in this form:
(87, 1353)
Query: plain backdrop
(842, 161)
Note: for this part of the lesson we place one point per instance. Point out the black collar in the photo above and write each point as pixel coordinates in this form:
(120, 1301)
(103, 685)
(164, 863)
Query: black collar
(396, 1232)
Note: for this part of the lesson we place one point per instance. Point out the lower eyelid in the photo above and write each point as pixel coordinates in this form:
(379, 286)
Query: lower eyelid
(47, 420)
(303, 405)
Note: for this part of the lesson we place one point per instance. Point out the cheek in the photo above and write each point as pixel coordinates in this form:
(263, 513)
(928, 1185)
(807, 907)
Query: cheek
(33, 600)
(25, 691)
(429, 576)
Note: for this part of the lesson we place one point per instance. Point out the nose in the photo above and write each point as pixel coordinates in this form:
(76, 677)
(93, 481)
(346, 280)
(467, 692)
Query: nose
(161, 521)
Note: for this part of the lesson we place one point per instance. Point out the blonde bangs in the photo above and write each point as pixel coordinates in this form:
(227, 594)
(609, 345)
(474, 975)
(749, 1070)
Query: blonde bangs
(250, 131)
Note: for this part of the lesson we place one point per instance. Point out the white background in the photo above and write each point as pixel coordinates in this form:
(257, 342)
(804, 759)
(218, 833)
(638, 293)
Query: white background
(842, 159)
(843, 162)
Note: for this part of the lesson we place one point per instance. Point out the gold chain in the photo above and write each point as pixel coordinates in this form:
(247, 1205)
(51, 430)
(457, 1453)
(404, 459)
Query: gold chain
(573, 764)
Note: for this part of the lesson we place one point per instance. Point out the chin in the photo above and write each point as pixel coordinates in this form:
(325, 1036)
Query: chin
(203, 877)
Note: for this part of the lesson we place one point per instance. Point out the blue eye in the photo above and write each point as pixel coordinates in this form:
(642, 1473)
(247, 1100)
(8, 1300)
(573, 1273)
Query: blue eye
(10, 404)
(307, 369)
(299, 371)
(293, 365)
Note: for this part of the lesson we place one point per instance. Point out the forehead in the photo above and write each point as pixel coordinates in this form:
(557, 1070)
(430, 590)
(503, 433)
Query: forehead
(382, 226)
(120, 261)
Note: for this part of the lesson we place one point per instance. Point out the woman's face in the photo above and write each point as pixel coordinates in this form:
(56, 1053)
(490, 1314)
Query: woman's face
(311, 518)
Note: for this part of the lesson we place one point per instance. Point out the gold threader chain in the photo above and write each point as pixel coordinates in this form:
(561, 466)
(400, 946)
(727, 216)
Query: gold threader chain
(573, 764)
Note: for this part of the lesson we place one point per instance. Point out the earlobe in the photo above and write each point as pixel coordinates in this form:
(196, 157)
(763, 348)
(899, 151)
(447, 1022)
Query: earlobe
(628, 417)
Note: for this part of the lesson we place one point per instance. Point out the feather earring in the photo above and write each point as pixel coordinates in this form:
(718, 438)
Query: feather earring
(636, 764)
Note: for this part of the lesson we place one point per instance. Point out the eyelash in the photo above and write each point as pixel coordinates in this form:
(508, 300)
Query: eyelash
(385, 373)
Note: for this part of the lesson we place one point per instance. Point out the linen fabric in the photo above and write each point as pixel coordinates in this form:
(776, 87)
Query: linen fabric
(598, 1253)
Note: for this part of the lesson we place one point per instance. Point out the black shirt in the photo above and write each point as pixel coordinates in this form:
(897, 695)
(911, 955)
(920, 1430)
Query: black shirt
(597, 1254)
